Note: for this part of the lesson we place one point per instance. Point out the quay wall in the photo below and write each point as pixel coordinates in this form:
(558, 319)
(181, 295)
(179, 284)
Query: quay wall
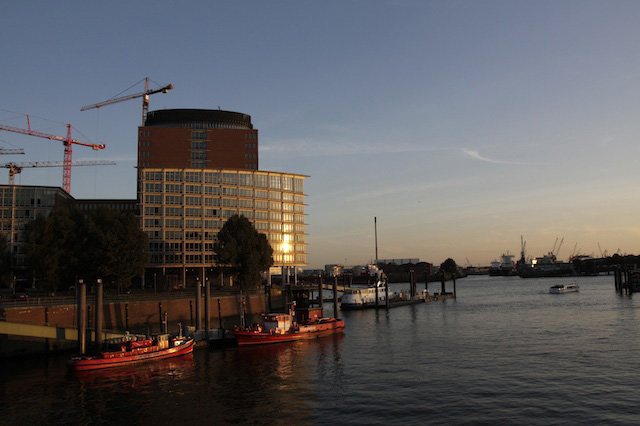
(135, 316)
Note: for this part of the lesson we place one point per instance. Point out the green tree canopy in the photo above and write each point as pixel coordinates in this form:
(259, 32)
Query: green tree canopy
(449, 266)
(244, 250)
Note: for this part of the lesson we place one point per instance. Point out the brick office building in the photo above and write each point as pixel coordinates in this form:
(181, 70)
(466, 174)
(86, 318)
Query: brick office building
(197, 168)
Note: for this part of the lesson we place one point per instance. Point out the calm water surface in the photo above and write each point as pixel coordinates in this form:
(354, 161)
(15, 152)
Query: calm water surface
(504, 352)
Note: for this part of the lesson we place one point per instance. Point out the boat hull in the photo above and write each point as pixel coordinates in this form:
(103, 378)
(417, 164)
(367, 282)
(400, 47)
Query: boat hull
(311, 331)
(95, 363)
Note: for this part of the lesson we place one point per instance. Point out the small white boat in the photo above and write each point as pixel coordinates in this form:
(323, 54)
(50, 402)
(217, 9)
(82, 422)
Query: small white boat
(563, 288)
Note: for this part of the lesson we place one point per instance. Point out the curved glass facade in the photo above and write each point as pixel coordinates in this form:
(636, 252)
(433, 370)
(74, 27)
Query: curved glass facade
(182, 210)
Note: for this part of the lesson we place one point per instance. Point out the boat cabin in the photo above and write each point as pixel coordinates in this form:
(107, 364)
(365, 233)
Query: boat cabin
(277, 322)
(304, 311)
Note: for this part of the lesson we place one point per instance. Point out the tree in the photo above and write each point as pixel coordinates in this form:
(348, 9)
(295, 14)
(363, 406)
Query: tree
(69, 245)
(449, 266)
(51, 249)
(244, 251)
(6, 263)
(113, 247)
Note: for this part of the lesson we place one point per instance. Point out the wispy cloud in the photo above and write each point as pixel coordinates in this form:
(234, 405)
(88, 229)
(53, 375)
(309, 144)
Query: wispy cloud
(311, 147)
(477, 156)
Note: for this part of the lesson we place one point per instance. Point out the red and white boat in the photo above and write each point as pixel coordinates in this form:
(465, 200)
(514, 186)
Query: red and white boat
(135, 351)
(300, 324)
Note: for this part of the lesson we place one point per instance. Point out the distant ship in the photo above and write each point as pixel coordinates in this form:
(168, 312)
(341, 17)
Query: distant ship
(505, 267)
(546, 266)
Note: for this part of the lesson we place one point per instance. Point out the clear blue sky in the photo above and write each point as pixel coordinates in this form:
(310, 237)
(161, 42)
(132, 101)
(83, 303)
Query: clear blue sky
(461, 125)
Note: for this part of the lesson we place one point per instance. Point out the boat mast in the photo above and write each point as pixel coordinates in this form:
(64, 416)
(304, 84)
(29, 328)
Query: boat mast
(375, 226)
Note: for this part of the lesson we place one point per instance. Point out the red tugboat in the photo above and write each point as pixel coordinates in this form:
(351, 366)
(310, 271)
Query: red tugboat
(134, 351)
(303, 322)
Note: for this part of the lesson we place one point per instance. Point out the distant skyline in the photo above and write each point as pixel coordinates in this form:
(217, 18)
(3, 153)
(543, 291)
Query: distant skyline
(460, 125)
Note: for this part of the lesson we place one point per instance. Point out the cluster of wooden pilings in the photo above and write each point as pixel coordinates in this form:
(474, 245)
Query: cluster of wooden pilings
(626, 280)
(82, 316)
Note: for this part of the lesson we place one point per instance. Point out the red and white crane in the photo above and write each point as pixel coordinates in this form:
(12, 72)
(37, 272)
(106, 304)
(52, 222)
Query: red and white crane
(15, 168)
(66, 141)
(144, 95)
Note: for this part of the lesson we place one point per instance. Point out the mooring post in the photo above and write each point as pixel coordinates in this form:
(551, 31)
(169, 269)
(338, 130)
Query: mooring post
(82, 317)
(161, 315)
(412, 283)
(268, 289)
(198, 301)
(335, 297)
(219, 314)
(386, 293)
(207, 308)
(320, 296)
(426, 281)
(126, 316)
(165, 322)
(454, 285)
(99, 316)
(442, 290)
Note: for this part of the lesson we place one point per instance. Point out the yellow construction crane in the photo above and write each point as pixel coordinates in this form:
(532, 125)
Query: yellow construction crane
(144, 95)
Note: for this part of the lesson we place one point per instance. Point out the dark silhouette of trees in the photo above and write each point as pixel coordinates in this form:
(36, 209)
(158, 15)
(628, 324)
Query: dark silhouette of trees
(6, 262)
(68, 245)
(449, 266)
(243, 251)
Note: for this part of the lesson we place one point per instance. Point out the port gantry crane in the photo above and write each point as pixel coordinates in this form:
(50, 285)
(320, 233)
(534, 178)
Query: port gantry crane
(15, 168)
(66, 141)
(144, 95)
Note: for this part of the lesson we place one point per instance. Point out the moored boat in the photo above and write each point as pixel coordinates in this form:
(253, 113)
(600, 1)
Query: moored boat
(303, 322)
(563, 288)
(134, 351)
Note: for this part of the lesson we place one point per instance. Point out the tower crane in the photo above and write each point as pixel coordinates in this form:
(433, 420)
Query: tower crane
(144, 95)
(15, 168)
(11, 151)
(67, 142)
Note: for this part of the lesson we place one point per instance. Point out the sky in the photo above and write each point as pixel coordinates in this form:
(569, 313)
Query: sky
(460, 125)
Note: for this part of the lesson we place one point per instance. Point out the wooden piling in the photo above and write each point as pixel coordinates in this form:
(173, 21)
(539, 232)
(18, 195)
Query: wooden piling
(442, 286)
(126, 316)
(207, 307)
(198, 296)
(99, 322)
(454, 286)
(161, 316)
(320, 293)
(219, 314)
(386, 293)
(426, 281)
(268, 291)
(335, 297)
(82, 317)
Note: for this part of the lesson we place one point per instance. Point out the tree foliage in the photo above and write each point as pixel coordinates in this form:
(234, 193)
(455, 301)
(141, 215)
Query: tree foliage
(69, 245)
(449, 266)
(244, 251)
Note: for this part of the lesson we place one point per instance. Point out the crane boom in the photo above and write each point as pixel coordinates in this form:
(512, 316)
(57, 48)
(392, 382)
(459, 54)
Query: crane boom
(67, 142)
(15, 168)
(11, 151)
(144, 95)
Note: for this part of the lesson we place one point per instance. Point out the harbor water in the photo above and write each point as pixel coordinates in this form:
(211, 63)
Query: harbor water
(504, 352)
